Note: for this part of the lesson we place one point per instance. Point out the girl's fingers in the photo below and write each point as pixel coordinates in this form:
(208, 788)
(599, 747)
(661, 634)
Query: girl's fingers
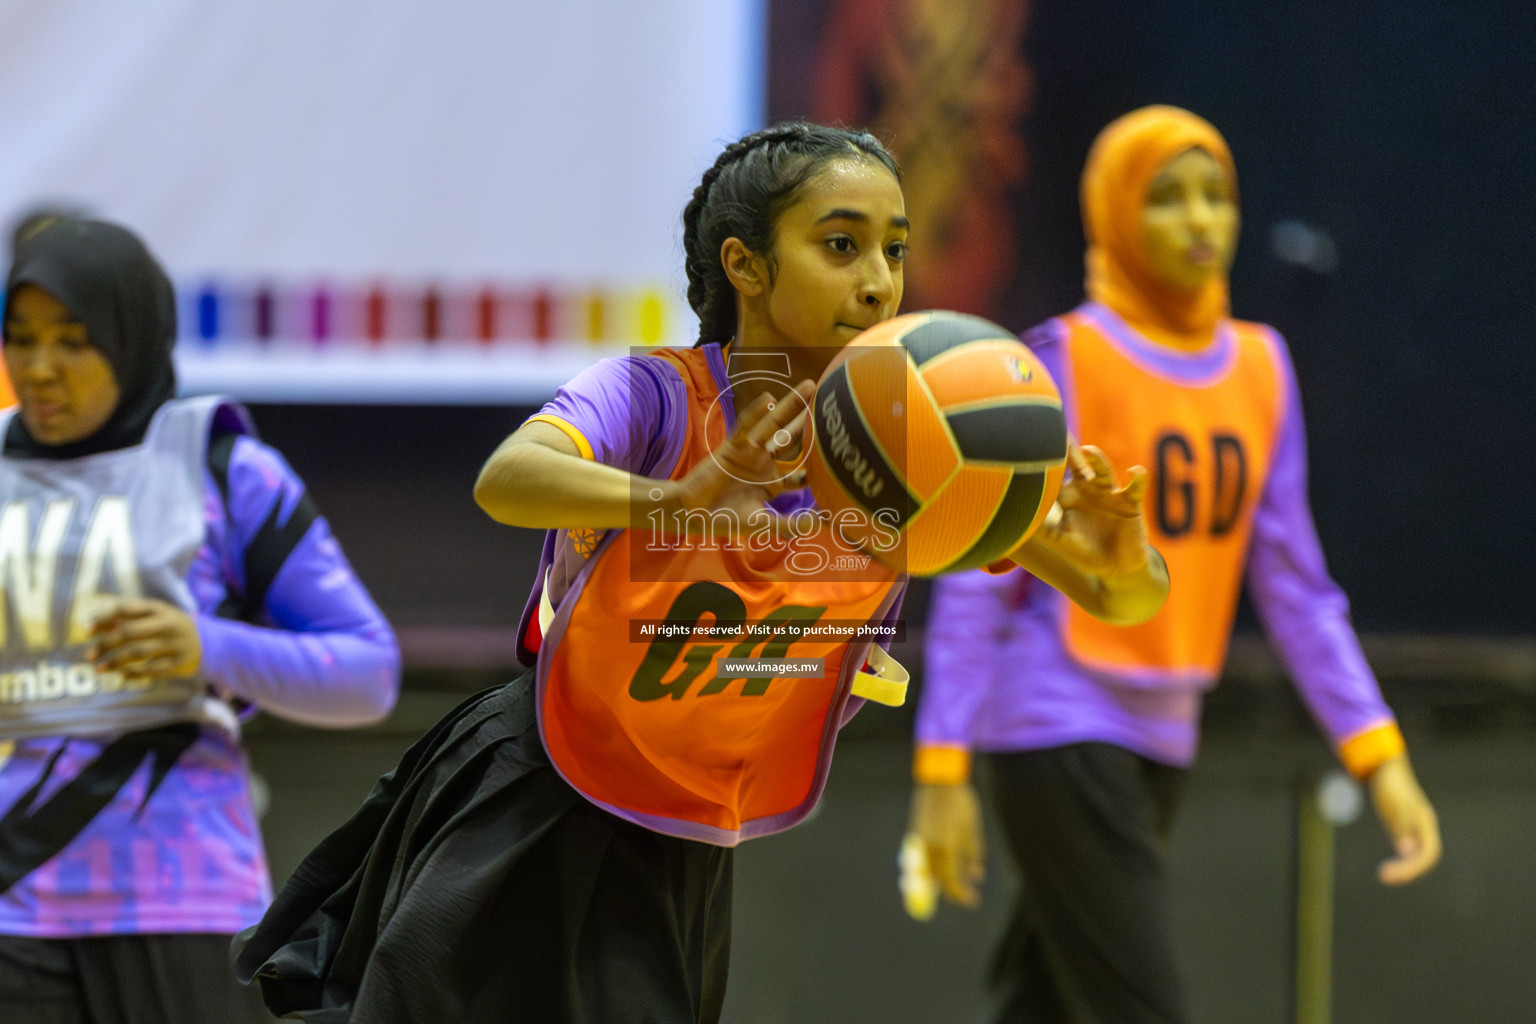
(784, 410)
(757, 426)
(124, 656)
(1078, 463)
(1103, 472)
(753, 414)
(795, 428)
(120, 610)
(131, 631)
(770, 426)
(1414, 858)
(164, 665)
(148, 626)
(1136, 486)
(1072, 493)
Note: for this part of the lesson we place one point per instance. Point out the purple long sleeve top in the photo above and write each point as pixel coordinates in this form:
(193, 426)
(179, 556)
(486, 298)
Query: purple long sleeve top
(191, 858)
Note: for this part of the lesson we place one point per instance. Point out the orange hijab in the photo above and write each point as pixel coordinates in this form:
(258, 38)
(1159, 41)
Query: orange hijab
(1124, 159)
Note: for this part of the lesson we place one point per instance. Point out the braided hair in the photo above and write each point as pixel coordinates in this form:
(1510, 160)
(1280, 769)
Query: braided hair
(743, 194)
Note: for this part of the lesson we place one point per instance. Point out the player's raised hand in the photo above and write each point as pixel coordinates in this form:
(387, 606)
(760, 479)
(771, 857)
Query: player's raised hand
(1093, 545)
(1101, 529)
(742, 473)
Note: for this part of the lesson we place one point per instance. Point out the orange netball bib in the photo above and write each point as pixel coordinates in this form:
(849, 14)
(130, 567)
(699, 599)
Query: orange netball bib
(1207, 439)
(646, 725)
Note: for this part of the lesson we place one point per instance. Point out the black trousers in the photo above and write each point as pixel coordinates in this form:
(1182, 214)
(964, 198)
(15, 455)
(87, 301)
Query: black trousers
(123, 979)
(475, 886)
(1087, 825)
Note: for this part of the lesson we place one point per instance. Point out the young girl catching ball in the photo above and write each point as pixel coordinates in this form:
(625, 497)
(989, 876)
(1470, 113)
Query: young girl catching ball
(560, 848)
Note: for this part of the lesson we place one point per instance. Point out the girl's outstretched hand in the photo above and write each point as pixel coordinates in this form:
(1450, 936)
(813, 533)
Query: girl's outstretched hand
(1101, 529)
(1093, 546)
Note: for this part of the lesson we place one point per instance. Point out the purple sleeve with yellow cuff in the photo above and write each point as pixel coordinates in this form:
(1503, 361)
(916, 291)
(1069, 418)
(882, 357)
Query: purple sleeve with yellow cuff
(628, 412)
(622, 412)
(1306, 614)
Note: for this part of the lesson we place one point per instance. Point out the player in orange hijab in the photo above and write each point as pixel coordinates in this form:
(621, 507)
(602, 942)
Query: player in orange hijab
(1090, 728)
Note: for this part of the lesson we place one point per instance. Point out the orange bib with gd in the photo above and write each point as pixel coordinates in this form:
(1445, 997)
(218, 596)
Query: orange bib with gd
(1208, 444)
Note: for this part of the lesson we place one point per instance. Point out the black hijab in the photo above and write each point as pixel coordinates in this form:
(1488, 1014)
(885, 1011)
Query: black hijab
(105, 276)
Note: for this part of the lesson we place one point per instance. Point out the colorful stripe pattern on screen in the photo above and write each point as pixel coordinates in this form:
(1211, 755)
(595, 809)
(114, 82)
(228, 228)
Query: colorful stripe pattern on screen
(385, 312)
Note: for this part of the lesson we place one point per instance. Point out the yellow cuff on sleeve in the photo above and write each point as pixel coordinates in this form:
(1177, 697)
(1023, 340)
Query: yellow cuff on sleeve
(582, 444)
(1372, 747)
(941, 766)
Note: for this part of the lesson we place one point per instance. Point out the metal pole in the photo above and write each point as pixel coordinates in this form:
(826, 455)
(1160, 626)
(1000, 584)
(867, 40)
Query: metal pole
(1314, 911)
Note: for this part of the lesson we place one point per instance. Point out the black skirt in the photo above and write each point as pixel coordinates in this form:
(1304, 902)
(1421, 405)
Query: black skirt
(475, 885)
